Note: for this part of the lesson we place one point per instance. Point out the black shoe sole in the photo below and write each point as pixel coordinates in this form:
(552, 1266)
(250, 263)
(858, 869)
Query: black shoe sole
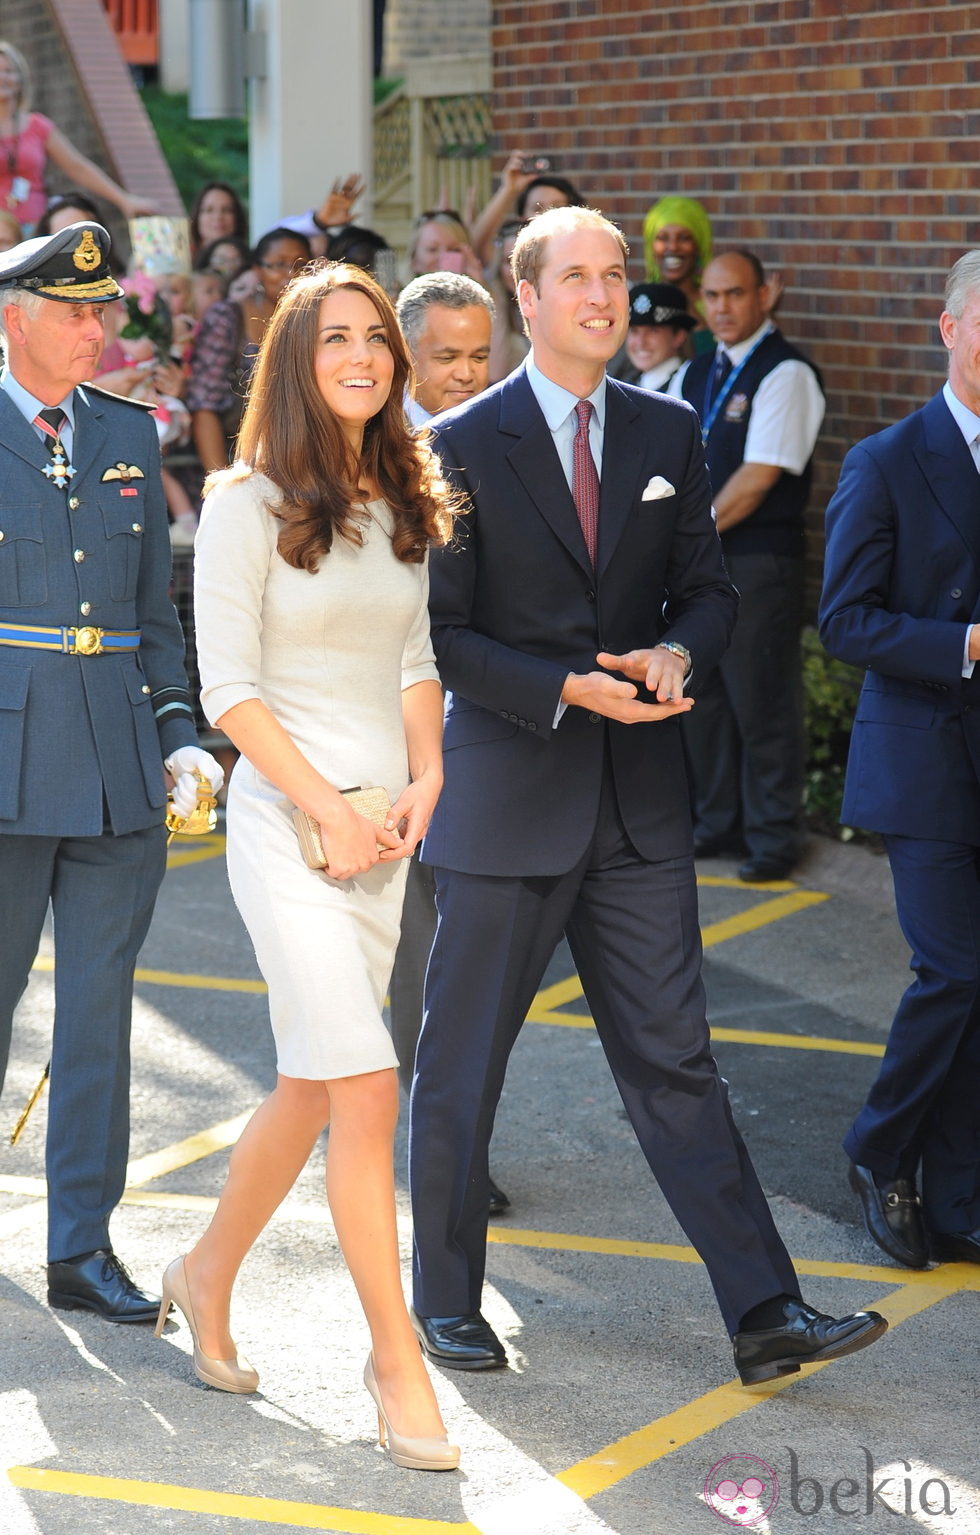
(73, 1303)
(462, 1364)
(755, 1375)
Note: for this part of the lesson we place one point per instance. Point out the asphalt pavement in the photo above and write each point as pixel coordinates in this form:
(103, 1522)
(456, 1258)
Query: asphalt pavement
(618, 1412)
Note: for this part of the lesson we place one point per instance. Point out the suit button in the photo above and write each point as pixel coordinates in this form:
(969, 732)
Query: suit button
(594, 719)
(513, 719)
(73, 503)
(145, 688)
(590, 595)
(1, 535)
(522, 722)
(956, 592)
(137, 527)
(85, 609)
(78, 556)
(504, 715)
(531, 725)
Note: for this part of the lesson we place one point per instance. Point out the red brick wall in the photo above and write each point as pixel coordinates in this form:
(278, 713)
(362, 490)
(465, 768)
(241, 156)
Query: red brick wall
(837, 138)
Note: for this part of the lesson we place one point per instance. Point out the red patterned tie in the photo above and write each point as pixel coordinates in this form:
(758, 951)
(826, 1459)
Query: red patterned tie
(585, 479)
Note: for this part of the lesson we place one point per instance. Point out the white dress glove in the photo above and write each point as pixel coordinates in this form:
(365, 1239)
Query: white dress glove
(182, 765)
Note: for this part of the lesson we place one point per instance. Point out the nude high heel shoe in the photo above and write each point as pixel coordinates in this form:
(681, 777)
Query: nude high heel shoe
(225, 1374)
(413, 1454)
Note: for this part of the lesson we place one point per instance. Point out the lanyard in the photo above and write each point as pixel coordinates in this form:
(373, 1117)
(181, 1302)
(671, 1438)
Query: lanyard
(711, 414)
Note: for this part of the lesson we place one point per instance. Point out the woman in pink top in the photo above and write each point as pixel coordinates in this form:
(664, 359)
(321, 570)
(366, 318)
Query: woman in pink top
(28, 140)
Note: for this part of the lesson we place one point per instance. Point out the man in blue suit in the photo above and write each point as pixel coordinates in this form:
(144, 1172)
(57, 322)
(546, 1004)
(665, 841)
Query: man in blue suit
(93, 697)
(902, 598)
(584, 589)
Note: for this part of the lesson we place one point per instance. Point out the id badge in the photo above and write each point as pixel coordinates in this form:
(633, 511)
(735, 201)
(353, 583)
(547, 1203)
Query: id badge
(20, 189)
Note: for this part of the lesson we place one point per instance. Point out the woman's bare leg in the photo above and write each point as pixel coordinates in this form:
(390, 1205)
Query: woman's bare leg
(361, 1193)
(270, 1155)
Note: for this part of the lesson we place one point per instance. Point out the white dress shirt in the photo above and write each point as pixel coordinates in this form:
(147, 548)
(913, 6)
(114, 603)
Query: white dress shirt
(787, 409)
(29, 407)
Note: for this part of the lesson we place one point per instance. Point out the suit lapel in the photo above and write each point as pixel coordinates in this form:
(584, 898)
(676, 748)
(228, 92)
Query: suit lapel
(90, 433)
(535, 461)
(622, 463)
(950, 472)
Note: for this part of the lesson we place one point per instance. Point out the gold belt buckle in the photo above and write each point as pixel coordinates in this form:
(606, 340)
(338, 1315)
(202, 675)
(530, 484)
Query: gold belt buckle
(86, 642)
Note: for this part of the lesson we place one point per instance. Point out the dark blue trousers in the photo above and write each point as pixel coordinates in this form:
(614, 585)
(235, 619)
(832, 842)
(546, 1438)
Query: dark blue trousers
(633, 931)
(102, 891)
(924, 1108)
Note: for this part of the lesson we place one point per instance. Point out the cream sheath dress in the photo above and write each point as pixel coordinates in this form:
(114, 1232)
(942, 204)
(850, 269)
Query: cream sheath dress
(329, 653)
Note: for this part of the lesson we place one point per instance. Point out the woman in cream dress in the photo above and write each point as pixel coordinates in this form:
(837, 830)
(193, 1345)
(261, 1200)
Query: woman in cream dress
(312, 630)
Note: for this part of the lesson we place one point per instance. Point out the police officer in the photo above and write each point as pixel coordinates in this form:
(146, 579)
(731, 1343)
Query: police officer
(93, 698)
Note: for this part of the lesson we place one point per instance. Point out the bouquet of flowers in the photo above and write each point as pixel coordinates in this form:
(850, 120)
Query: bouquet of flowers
(148, 327)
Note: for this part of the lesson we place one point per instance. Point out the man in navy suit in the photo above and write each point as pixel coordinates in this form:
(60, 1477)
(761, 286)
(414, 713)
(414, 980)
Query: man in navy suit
(584, 589)
(902, 598)
(93, 697)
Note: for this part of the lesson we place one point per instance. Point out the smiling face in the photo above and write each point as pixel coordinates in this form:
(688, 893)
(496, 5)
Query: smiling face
(216, 217)
(52, 351)
(675, 251)
(452, 356)
(435, 240)
(279, 261)
(11, 84)
(577, 316)
(647, 346)
(353, 361)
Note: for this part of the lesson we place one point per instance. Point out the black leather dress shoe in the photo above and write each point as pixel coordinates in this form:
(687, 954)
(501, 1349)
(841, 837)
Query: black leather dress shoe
(498, 1199)
(759, 871)
(805, 1337)
(99, 1282)
(957, 1246)
(460, 1342)
(892, 1215)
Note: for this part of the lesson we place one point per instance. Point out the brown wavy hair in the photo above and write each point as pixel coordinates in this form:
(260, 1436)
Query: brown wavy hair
(290, 434)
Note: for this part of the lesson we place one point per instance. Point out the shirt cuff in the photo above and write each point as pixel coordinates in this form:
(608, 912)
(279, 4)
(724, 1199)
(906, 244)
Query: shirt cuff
(968, 665)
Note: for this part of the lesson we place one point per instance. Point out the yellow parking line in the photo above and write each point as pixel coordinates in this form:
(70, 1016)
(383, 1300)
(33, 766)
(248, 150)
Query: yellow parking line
(45, 962)
(617, 1461)
(229, 1505)
(196, 850)
(183, 1153)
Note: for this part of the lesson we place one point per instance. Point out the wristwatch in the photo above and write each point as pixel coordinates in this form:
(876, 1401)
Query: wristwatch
(677, 650)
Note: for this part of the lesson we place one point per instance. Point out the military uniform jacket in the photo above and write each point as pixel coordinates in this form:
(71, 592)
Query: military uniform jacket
(82, 738)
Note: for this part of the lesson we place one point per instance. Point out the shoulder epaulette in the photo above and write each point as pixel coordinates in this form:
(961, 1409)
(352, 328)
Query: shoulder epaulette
(123, 399)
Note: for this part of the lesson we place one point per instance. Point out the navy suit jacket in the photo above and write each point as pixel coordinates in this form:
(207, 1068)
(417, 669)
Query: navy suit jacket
(516, 605)
(901, 584)
(78, 732)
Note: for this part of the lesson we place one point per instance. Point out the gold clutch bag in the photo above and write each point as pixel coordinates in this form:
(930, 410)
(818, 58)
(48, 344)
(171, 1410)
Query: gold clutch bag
(373, 804)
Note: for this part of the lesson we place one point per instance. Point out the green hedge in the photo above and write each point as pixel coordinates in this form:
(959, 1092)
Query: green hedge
(198, 150)
(830, 693)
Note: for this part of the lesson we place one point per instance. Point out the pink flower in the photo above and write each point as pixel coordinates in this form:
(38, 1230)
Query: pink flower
(144, 290)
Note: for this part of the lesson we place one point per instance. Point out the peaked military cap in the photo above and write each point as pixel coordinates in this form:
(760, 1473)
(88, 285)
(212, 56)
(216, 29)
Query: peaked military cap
(71, 266)
(660, 303)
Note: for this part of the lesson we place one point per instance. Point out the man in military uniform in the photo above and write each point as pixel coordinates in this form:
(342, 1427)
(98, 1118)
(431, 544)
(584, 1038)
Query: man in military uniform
(93, 698)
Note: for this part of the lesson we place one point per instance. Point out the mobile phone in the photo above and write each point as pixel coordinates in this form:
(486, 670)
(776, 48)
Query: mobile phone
(453, 261)
(539, 164)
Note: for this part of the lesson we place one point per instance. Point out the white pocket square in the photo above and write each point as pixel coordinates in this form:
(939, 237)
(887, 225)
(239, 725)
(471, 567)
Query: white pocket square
(658, 489)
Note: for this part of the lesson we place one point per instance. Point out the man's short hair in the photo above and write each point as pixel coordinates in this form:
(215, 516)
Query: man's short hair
(746, 255)
(963, 279)
(450, 289)
(529, 250)
(24, 299)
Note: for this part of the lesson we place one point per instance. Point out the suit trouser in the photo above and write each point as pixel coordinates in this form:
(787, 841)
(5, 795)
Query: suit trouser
(102, 891)
(632, 927)
(744, 736)
(924, 1107)
(406, 992)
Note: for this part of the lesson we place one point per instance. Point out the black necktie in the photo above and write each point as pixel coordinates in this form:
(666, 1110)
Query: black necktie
(55, 418)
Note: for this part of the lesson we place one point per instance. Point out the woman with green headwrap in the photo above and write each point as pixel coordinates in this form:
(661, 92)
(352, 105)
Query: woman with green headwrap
(677, 248)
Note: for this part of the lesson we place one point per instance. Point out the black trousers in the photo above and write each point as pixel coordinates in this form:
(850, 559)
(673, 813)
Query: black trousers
(744, 736)
(632, 927)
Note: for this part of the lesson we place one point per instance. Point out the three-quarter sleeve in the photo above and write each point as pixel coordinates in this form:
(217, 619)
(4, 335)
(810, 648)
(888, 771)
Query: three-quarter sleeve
(235, 544)
(418, 657)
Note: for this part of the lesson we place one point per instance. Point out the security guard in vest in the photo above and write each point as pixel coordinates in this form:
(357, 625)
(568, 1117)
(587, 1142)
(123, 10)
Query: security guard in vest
(761, 404)
(93, 706)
